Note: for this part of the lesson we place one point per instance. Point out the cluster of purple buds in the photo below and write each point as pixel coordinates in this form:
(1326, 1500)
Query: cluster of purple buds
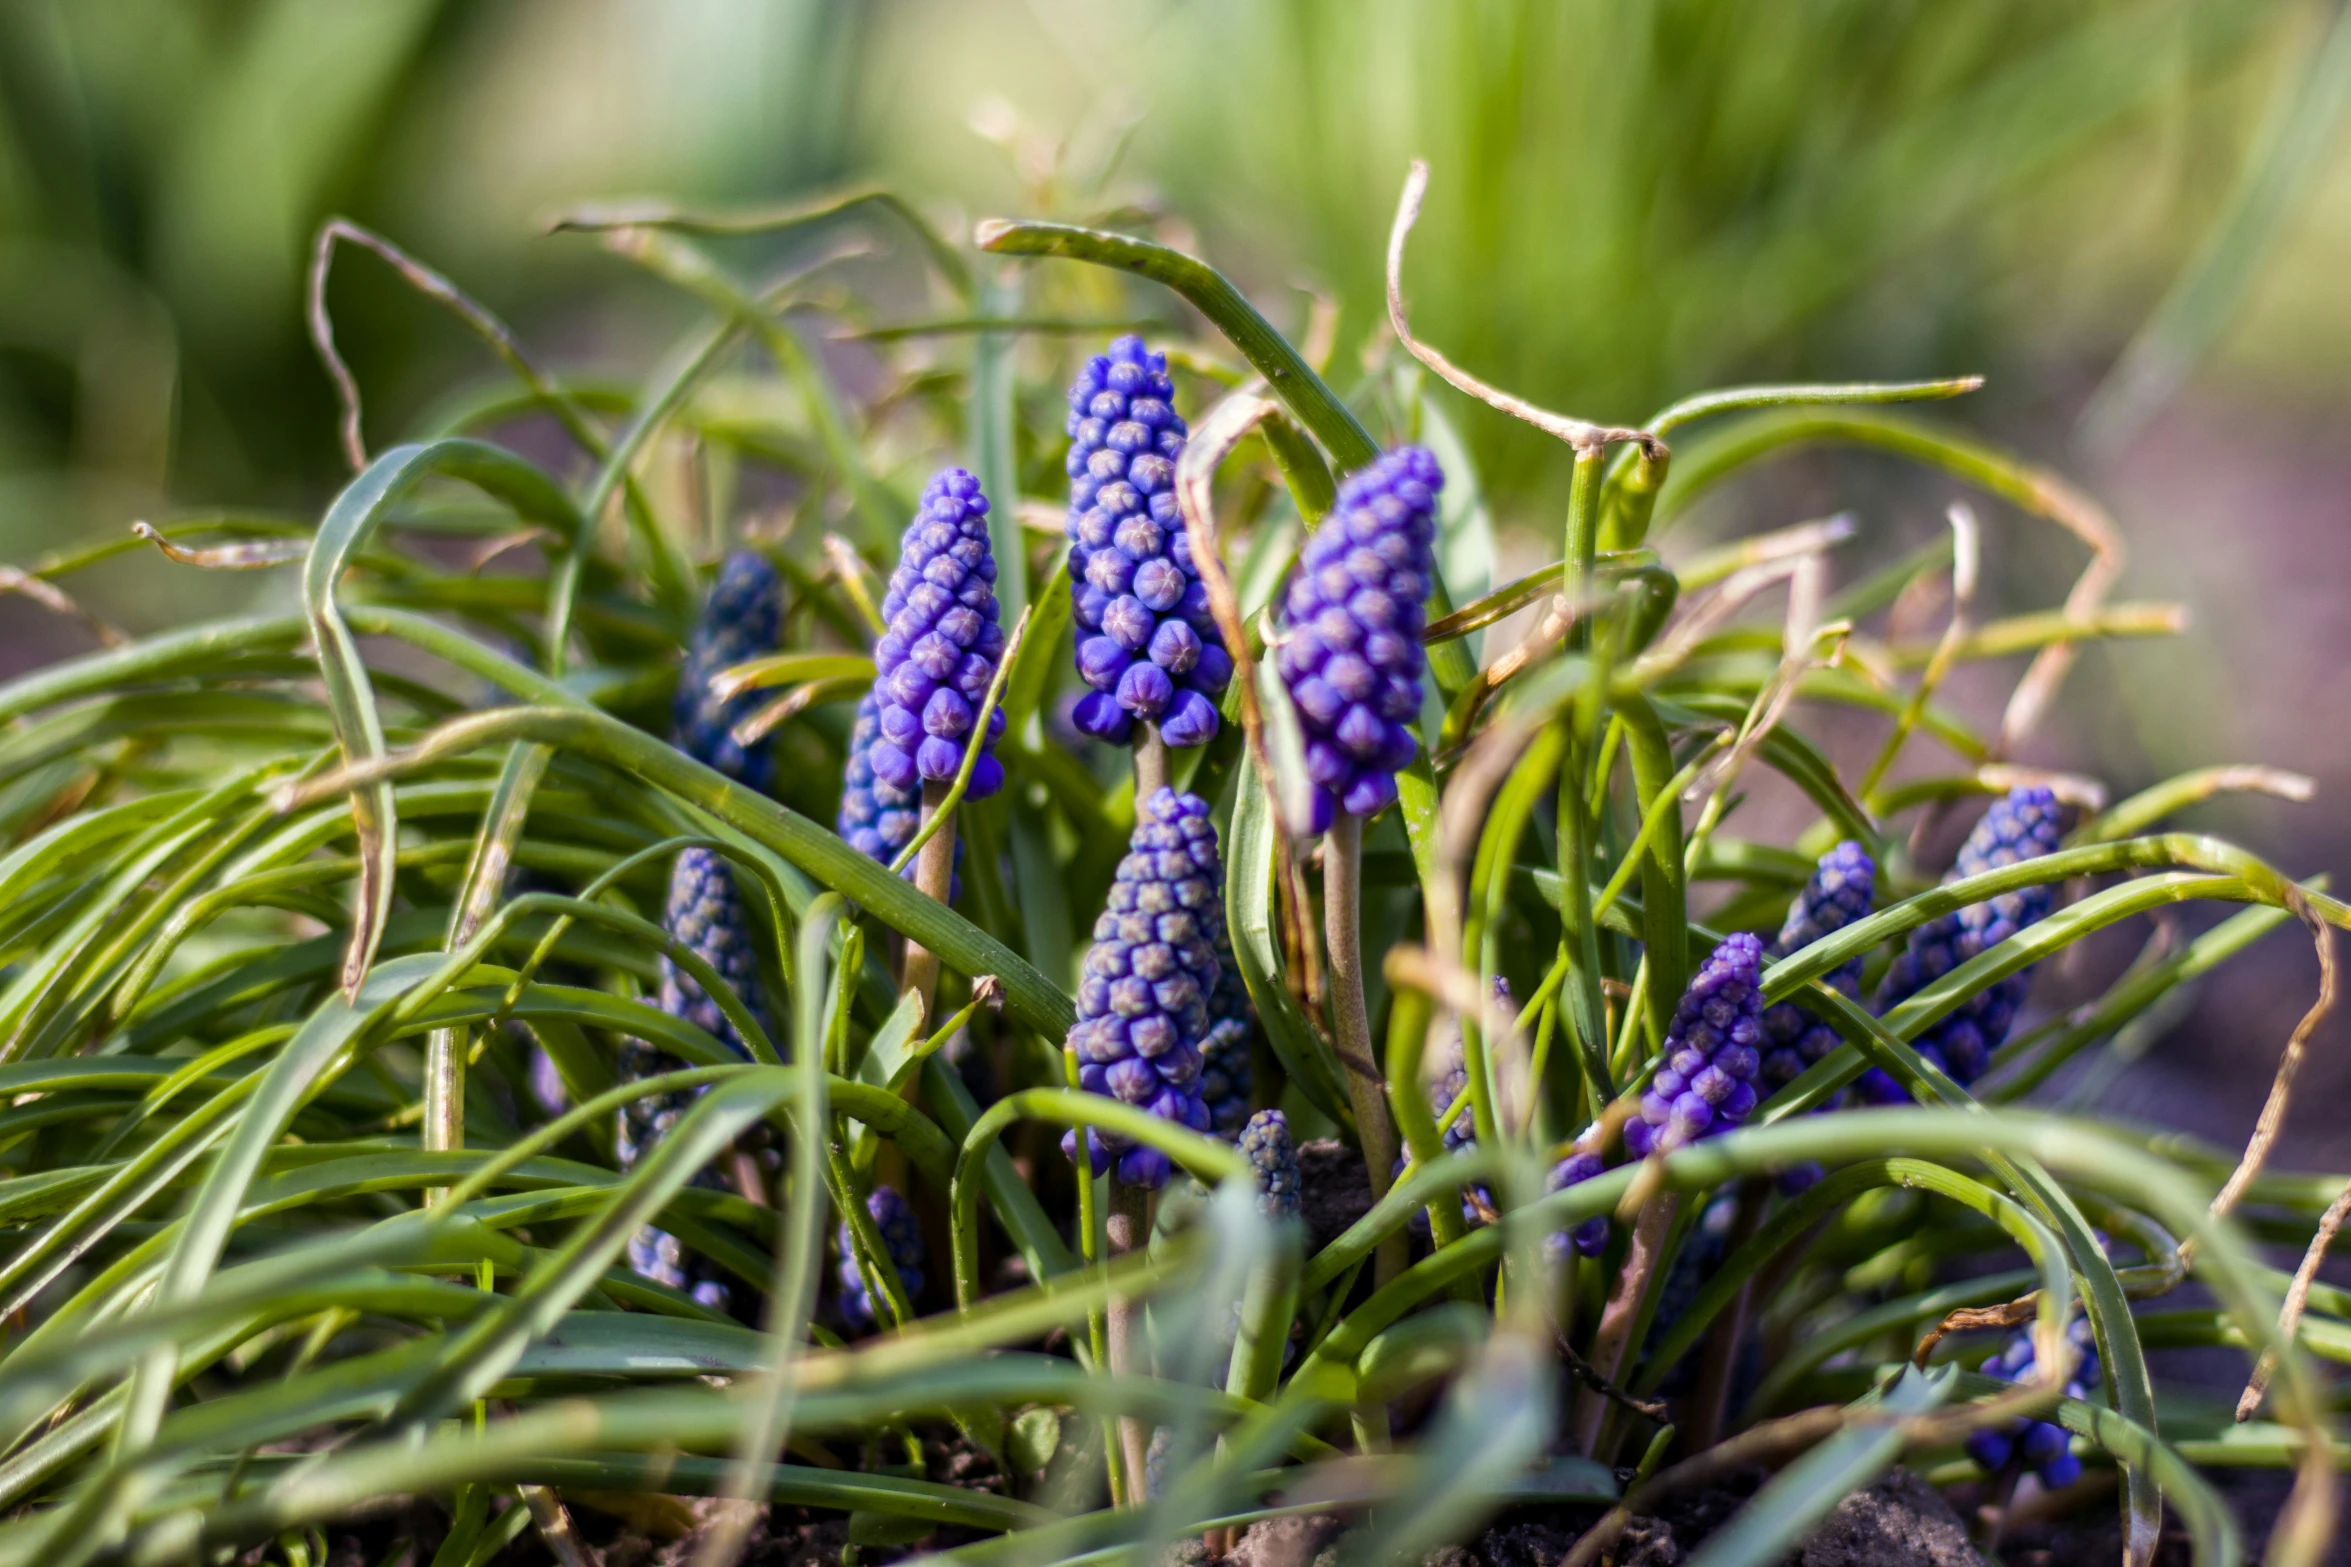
(705, 913)
(2039, 1445)
(1842, 889)
(741, 619)
(879, 819)
(933, 666)
(901, 1238)
(1226, 1078)
(1273, 1163)
(1705, 1081)
(2024, 825)
(1143, 1000)
(1590, 1236)
(1351, 656)
(1147, 644)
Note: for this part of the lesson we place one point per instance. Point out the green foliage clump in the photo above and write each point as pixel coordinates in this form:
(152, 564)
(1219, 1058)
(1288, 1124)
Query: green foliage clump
(334, 957)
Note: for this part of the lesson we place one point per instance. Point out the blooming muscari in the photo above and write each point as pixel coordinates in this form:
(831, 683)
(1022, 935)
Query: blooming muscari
(1143, 1000)
(1589, 1237)
(2024, 825)
(1147, 645)
(1842, 889)
(1705, 1078)
(2039, 1445)
(901, 1238)
(933, 666)
(705, 913)
(1354, 611)
(877, 818)
(741, 619)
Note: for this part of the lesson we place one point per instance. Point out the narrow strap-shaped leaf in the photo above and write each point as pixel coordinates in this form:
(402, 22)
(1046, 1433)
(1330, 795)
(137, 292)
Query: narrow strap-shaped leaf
(1033, 998)
(346, 528)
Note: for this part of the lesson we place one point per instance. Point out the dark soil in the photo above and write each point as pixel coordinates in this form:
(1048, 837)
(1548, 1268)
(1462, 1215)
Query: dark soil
(1334, 1192)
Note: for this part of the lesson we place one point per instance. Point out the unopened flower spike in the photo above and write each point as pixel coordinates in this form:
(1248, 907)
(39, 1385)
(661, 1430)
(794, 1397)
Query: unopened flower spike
(741, 619)
(1705, 1078)
(2024, 825)
(1143, 1001)
(901, 1238)
(706, 914)
(1355, 610)
(1147, 645)
(1273, 1164)
(933, 666)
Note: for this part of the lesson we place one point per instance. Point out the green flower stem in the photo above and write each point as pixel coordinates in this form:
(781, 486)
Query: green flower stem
(1342, 913)
(1704, 1423)
(1586, 1013)
(1626, 1306)
(1204, 1157)
(1150, 764)
(1409, 1018)
(1129, 1229)
(934, 877)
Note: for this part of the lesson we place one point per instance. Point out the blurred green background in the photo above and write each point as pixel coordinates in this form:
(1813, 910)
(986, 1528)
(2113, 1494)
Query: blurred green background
(2133, 215)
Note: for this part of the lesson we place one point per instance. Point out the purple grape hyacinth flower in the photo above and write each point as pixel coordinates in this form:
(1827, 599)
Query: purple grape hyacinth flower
(1705, 1080)
(1843, 889)
(901, 1238)
(877, 818)
(2024, 825)
(1147, 645)
(742, 618)
(2039, 1445)
(933, 666)
(1590, 1237)
(1143, 1001)
(1354, 612)
(705, 912)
